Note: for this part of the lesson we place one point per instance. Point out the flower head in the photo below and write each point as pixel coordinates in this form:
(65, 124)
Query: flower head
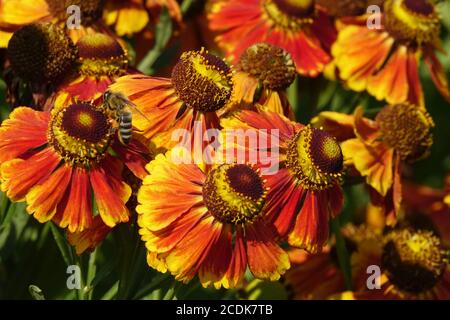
(264, 72)
(201, 84)
(400, 133)
(59, 163)
(211, 224)
(306, 191)
(17, 13)
(300, 27)
(385, 61)
(41, 52)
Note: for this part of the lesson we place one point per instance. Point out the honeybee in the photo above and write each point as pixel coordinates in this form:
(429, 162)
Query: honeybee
(120, 109)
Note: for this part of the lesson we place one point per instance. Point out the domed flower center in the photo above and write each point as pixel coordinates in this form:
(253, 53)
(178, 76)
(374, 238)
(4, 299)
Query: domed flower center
(202, 81)
(101, 55)
(413, 259)
(413, 21)
(290, 14)
(41, 52)
(271, 65)
(315, 158)
(91, 10)
(234, 194)
(407, 129)
(81, 133)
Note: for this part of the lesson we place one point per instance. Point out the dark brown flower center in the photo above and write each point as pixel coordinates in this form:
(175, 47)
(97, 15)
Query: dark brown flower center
(271, 65)
(415, 22)
(234, 194)
(414, 260)
(202, 81)
(315, 158)
(407, 129)
(41, 52)
(81, 133)
(101, 55)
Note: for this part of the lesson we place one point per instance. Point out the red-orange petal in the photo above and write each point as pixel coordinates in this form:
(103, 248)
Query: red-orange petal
(311, 226)
(266, 259)
(43, 199)
(24, 130)
(18, 176)
(438, 74)
(89, 238)
(110, 192)
(75, 209)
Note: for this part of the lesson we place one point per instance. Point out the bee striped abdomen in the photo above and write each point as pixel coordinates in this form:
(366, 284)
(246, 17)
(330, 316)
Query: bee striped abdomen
(125, 127)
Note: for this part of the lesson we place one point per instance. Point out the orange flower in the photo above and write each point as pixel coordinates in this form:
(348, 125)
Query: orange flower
(415, 266)
(301, 28)
(385, 61)
(101, 60)
(431, 202)
(61, 163)
(412, 259)
(263, 74)
(211, 224)
(399, 134)
(201, 84)
(306, 191)
(363, 246)
(132, 16)
(17, 13)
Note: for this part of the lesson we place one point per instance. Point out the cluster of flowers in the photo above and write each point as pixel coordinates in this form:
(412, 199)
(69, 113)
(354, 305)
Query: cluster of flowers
(63, 157)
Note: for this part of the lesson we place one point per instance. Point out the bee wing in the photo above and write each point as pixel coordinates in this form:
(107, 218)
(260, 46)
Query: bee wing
(134, 107)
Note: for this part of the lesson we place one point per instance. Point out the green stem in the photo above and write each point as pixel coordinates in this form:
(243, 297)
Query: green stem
(342, 253)
(92, 269)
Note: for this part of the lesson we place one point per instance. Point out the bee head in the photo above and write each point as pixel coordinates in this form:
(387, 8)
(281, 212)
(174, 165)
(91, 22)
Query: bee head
(106, 95)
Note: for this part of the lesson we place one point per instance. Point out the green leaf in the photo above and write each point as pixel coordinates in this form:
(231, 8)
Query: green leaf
(62, 244)
(343, 256)
(163, 34)
(112, 292)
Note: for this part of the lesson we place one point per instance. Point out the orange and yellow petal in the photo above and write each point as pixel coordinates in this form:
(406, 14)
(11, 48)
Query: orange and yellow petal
(306, 50)
(18, 176)
(25, 129)
(217, 262)
(358, 53)
(43, 199)
(234, 275)
(366, 129)
(310, 231)
(155, 98)
(266, 259)
(339, 125)
(110, 192)
(127, 19)
(277, 102)
(164, 240)
(244, 87)
(159, 199)
(438, 74)
(185, 260)
(285, 201)
(374, 162)
(396, 79)
(22, 12)
(75, 210)
(89, 238)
